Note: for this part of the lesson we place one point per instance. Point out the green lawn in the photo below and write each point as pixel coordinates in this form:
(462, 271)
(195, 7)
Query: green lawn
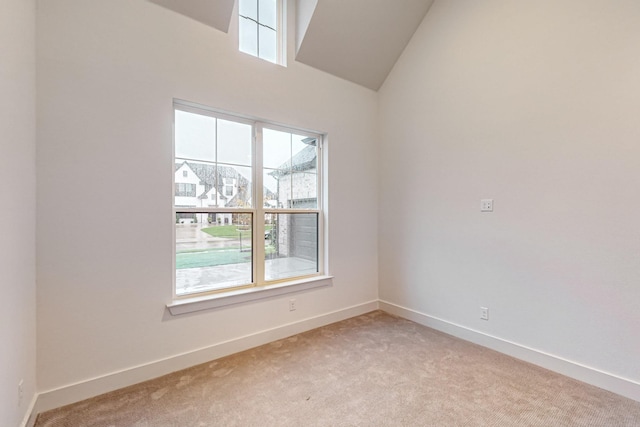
(211, 257)
(228, 231)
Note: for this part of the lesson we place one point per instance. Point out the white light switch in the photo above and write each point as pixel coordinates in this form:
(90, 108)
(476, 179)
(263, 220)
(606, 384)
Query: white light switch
(486, 205)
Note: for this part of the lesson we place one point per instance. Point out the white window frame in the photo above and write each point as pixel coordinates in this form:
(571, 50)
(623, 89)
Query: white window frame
(281, 14)
(259, 287)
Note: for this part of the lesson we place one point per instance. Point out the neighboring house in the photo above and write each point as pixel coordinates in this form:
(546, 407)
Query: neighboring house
(297, 179)
(205, 185)
(209, 185)
(297, 188)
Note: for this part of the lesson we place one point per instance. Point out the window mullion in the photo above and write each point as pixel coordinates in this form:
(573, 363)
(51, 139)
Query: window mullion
(216, 184)
(321, 205)
(258, 27)
(280, 32)
(258, 197)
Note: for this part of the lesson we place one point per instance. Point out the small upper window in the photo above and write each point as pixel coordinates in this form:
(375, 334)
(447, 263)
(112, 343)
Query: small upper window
(260, 29)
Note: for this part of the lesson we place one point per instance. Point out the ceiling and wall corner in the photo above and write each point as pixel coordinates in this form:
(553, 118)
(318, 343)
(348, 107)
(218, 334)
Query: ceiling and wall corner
(304, 13)
(216, 14)
(360, 40)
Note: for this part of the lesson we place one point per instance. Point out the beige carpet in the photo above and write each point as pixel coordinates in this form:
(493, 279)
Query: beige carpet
(372, 370)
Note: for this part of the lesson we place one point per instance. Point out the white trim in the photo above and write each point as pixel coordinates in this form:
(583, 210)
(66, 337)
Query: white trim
(197, 210)
(238, 296)
(257, 210)
(196, 108)
(282, 32)
(202, 110)
(71, 393)
(608, 381)
(258, 257)
(30, 416)
(292, 211)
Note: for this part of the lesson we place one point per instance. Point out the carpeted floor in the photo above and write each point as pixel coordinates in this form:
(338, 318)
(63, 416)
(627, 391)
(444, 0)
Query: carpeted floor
(372, 370)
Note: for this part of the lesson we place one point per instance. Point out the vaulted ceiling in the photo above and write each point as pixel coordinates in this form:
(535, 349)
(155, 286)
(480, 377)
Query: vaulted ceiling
(357, 40)
(215, 13)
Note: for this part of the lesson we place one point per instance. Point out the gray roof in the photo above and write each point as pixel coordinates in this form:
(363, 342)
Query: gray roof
(303, 160)
(211, 175)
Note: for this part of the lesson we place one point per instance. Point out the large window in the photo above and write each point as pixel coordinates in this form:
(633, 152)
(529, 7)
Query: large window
(260, 29)
(248, 209)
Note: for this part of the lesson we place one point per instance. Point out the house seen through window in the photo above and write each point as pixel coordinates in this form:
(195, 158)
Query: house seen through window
(248, 210)
(260, 29)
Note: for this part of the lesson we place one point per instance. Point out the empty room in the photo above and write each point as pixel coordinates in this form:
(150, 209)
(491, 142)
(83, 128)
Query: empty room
(320, 212)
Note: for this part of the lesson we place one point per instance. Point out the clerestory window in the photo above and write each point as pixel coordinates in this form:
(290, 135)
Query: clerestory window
(261, 29)
(270, 229)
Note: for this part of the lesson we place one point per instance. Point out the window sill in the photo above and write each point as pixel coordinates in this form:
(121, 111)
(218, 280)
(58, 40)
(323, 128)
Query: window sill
(190, 305)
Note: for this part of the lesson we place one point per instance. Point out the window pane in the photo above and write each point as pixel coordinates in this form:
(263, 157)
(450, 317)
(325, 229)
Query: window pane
(305, 190)
(290, 171)
(271, 188)
(194, 182)
(268, 44)
(213, 251)
(237, 179)
(291, 245)
(196, 187)
(300, 185)
(276, 148)
(268, 13)
(234, 142)
(195, 136)
(249, 8)
(299, 143)
(248, 36)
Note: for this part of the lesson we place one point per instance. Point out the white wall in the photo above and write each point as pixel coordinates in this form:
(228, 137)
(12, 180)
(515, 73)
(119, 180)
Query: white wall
(107, 74)
(17, 216)
(536, 105)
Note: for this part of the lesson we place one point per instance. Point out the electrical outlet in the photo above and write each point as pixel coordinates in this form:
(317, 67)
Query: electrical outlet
(20, 392)
(484, 313)
(292, 305)
(486, 205)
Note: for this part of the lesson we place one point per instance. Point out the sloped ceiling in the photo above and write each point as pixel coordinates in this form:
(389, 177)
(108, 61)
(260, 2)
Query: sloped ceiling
(215, 13)
(358, 40)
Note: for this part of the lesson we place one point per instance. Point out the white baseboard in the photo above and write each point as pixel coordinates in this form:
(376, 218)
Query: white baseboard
(622, 386)
(30, 416)
(71, 393)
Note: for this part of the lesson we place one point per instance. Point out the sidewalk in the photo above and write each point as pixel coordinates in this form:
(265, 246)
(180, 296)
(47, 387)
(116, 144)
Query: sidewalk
(193, 280)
